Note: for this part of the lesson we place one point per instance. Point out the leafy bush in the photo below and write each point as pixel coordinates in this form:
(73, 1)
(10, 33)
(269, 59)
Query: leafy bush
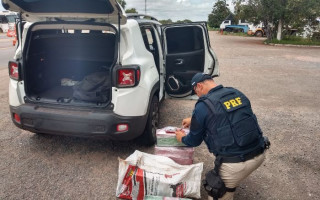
(295, 40)
(236, 34)
(213, 29)
(316, 36)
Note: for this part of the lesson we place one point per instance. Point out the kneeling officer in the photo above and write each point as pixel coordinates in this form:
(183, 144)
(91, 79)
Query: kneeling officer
(223, 118)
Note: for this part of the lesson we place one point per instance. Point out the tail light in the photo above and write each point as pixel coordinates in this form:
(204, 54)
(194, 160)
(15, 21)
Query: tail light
(13, 70)
(122, 127)
(16, 117)
(128, 77)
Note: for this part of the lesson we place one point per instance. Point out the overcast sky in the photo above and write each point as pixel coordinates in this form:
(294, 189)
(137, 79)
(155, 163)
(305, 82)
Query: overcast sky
(195, 10)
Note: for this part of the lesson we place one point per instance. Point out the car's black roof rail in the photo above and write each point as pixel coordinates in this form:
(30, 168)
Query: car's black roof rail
(140, 16)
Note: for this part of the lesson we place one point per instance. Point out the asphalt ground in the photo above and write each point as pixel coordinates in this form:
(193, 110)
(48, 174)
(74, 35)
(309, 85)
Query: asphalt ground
(283, 85)
(7, 50)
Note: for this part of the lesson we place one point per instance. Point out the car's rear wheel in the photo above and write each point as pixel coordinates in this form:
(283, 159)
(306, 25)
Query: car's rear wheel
(149, 137)
(228, 30)
(258, 34)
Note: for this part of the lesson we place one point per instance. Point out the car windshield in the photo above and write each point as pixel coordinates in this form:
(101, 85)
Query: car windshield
(11, 18)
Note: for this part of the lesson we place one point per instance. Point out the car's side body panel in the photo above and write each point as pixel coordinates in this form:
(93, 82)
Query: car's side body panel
(133, 52)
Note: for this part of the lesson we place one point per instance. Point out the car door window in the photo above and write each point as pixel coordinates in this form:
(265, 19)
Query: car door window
(150, 42)
(177, 41)
(148, 38)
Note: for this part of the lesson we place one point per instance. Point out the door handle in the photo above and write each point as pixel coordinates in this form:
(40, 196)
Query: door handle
(179, 61)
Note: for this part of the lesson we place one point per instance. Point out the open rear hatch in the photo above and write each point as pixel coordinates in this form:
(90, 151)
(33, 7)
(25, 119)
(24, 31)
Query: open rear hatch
(70, 49)
(106, 11)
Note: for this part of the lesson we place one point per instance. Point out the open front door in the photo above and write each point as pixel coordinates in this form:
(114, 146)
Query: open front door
(187, 51)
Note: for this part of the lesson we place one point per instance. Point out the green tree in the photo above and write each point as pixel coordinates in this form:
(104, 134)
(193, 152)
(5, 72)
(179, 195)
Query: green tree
(122, 3)
(131, 10)
(166, 21)
(276, 14)
(219, 12)
(256, 11)
(184, 21)
(302, 12)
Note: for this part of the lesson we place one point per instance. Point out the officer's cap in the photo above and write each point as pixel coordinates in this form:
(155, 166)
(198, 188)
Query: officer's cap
(199, 77)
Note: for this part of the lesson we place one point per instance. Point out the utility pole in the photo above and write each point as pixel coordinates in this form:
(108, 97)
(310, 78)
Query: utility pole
(145, 7)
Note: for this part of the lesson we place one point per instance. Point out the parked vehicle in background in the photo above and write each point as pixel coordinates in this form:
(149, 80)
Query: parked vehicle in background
(7, 21)
(257, 30)
(229, 26)
(250, 28)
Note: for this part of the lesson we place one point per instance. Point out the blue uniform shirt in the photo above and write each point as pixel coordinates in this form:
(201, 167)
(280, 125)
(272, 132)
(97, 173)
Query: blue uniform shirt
(198, 123)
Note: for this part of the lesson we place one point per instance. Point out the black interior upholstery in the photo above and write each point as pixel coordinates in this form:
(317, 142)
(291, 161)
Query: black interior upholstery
(185, 56)
(53, 55)
(78, 46)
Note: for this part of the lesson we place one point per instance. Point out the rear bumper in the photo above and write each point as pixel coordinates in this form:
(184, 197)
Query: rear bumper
(70, 122)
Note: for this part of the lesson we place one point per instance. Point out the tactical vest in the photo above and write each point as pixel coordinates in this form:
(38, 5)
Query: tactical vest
(232, 128)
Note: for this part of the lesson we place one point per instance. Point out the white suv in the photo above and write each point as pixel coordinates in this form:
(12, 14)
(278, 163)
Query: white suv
(74, 73)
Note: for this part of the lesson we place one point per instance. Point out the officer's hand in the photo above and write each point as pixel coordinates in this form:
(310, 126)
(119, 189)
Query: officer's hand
(180, 134)
(186, 122)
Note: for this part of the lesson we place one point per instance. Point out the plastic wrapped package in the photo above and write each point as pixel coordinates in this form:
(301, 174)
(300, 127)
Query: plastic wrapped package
(168, 140)
(171, 130)
(181, 155)
(68, 82)
(143, 174)
(166, 137)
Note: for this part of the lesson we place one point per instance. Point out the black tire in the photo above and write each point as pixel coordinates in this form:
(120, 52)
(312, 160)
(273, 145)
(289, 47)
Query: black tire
(258, 34)
(228, 29)
(149, 137)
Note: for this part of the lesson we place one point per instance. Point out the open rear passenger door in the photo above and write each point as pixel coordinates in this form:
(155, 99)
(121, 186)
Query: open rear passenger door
(187, 51)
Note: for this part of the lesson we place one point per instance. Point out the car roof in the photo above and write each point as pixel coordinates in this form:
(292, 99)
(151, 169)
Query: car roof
(141, 19)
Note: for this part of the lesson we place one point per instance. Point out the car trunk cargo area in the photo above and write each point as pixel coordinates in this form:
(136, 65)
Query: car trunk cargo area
(69, 66)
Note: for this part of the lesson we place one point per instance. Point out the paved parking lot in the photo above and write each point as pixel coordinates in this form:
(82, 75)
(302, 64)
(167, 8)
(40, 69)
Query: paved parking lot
(283, 84)
(6, 49)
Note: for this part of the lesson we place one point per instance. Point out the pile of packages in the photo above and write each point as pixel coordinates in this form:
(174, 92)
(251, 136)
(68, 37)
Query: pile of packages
(167, 145)
(168, 175)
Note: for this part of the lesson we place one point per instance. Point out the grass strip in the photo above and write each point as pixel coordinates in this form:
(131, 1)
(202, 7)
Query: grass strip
(295, 41)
